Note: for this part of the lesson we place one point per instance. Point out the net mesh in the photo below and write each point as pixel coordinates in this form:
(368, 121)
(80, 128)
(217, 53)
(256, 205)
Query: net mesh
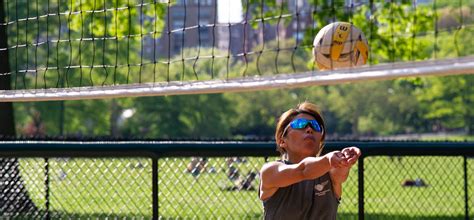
(165, 47)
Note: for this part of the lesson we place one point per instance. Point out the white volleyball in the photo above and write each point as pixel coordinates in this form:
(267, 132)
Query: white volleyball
(339, 45)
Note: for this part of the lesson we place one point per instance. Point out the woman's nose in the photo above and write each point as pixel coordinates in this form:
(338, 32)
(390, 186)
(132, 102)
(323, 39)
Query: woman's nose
(309, 129)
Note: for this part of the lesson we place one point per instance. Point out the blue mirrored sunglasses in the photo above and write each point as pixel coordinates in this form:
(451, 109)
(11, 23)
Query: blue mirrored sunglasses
(302, 123)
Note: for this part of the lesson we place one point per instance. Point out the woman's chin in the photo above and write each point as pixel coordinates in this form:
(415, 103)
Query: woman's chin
(311, 151)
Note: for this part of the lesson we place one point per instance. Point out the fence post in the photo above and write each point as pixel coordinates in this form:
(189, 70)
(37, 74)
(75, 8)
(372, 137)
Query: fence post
(466, 195)
(46, 184)
(361, 187)
(155, 187)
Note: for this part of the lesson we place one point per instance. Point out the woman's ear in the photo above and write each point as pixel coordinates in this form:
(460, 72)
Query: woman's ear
(283, 144)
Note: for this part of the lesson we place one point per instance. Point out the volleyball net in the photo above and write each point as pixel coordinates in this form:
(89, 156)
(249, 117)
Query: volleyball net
(89, 49)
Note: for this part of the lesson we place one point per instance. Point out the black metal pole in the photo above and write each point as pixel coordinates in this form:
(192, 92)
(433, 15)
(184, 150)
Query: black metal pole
(155, 187)
(466, 195)
(7, 127)
(14, 197)
(361, 187)
(46, 173)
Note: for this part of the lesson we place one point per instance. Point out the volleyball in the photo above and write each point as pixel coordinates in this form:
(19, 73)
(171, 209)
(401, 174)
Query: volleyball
(339, 45)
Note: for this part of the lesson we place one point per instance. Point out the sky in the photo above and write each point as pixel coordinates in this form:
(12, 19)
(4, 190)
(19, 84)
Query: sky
(229, 11)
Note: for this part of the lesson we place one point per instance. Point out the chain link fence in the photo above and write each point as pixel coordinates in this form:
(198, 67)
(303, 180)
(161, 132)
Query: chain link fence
(217, 187)
(417, 187)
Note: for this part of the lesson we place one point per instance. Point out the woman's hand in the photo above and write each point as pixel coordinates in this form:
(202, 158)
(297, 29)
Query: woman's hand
(337, 159)
(351, 154)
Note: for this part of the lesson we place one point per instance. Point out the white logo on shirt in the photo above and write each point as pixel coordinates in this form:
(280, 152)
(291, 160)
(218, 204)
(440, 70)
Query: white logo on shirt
(320, 187)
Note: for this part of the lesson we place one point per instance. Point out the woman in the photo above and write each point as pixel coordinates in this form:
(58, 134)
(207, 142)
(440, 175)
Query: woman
(304, 185)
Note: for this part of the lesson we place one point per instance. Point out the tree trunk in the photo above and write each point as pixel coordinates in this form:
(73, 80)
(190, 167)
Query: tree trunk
(114, 117)
(469, 103)
(14, 198)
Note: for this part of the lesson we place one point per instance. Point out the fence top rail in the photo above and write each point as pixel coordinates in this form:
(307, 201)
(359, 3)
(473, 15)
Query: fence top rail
(26, 148)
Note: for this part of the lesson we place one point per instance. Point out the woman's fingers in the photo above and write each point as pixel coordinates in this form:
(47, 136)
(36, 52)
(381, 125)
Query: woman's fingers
(351, 154)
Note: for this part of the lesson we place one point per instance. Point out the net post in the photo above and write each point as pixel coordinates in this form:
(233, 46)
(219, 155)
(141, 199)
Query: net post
(6, 109)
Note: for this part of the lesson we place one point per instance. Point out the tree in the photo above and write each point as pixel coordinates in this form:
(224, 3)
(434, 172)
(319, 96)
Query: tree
(447, 101)
(189, 116)
(95, 26)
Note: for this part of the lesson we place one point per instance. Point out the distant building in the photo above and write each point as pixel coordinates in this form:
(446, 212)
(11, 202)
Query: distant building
(204, 29)
(196, 16)
(243, 37)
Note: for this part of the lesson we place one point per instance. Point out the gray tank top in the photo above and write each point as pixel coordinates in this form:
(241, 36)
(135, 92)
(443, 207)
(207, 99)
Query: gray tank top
(308, 199)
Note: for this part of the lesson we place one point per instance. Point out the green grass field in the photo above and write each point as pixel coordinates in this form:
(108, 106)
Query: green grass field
(122, 188)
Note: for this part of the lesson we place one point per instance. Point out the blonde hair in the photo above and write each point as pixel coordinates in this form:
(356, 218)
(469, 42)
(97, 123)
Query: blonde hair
(288, 116)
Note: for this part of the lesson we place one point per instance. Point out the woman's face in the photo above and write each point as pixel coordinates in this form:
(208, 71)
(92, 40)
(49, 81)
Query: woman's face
(301, 143)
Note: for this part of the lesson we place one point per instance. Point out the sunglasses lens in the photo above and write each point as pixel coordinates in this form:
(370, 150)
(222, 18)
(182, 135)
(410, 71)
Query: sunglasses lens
(315, 125)
(301, 123)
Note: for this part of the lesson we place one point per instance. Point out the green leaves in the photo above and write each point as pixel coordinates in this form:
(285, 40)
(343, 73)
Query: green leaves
(268, 12)
(118, 18)
(448, 101)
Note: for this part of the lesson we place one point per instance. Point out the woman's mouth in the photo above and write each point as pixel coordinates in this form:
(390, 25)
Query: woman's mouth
(308, 136)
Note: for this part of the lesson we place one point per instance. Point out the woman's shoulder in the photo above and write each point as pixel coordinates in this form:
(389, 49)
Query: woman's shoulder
(271, 164)
(270, 168)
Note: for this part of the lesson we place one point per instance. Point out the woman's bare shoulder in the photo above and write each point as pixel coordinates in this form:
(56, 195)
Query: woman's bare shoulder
(270, 165)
